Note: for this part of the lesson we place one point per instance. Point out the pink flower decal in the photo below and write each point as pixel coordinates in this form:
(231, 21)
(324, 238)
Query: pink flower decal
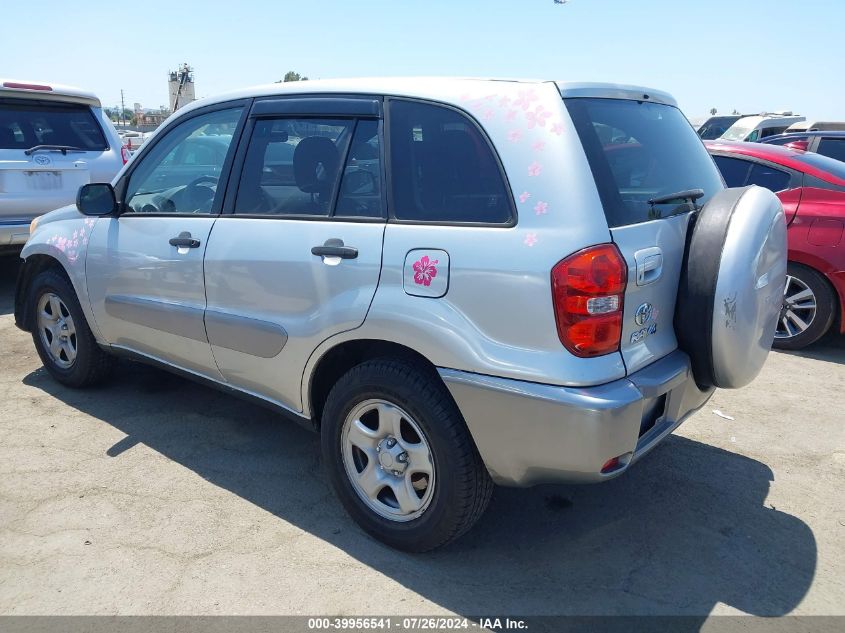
(424, 271)
(489, 115)
(530, 239)
(557, 128)
(489, 97)
(504, 102)
(537, 117)
(525, 98)
(511, 115)
(524, 196)
(514, 136)
(538, 146)
(534, 169)
(541, 208)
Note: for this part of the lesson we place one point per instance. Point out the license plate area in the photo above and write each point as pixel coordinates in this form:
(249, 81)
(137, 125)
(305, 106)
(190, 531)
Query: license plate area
(653, 410)
(43, 180)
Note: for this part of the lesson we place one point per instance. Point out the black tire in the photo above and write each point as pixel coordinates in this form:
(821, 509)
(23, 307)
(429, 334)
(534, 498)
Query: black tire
(91, 365)
(462, 485)
(825, 309)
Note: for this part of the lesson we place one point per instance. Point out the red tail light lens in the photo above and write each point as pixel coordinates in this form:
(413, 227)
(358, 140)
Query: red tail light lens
(124, 154)
(588, 290)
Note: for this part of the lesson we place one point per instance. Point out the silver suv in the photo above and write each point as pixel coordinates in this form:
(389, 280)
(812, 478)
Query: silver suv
(53, 139)
(456, 282)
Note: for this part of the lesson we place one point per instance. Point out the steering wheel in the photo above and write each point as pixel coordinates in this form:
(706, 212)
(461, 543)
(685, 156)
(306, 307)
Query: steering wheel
(198, 197)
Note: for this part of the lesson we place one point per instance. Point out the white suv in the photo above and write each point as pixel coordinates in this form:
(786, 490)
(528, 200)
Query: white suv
(53, 139)
(456, 282)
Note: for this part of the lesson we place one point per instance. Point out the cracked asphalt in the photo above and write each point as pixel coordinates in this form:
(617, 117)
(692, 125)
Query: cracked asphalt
(153, 495)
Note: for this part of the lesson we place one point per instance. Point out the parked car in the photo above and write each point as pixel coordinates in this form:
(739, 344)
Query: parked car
(812, 190)
(830, 144)
(132, 139)
(52, 140)
(714, 126)
(456, 282)
(814, 126)
(754, 128)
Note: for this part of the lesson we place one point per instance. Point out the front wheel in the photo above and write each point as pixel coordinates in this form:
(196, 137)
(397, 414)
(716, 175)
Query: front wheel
(809, 307)
(61, 334)
(400, 457)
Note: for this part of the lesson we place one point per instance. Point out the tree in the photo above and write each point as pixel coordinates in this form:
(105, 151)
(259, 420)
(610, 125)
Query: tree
(292, 75)
(713, 111)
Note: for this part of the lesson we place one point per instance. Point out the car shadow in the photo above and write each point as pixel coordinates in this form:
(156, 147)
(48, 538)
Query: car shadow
(687, 528)
(9, 264)
(829, 348)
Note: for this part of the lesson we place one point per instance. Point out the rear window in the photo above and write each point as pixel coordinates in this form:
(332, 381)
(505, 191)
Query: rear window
(27, 124)
(638, 151)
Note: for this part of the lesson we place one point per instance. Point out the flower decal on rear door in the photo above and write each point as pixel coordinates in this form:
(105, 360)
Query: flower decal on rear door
(425, 270)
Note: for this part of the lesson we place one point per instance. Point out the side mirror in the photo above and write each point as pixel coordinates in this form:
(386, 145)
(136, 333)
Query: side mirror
(96, 198)
(359, 183)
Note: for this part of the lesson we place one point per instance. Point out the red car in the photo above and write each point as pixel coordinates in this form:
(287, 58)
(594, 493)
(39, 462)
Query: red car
(812, 190)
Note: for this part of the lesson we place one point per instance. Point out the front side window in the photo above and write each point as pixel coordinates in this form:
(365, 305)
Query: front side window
(180, 173)
(768, 177)
(293, 166)
(833, 147)
(442, 168)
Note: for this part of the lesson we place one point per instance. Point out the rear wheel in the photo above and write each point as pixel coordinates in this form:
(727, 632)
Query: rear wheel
(61, 334)
(400, 457)
(809, 307)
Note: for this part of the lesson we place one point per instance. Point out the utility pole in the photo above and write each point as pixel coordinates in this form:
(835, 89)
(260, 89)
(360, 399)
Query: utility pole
(122, 109)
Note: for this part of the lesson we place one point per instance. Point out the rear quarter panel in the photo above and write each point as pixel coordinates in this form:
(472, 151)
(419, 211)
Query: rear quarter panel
(496, 317)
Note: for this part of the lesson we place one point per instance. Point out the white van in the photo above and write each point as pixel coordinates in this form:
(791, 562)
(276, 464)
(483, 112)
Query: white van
(813, 126)
(53, 139)
(753, 128)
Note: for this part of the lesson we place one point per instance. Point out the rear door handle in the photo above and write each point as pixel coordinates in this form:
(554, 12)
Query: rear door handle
(649, 265)
(184, 240)
(334, 248)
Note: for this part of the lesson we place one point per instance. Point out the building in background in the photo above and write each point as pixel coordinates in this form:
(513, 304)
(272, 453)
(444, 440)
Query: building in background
(180, 87)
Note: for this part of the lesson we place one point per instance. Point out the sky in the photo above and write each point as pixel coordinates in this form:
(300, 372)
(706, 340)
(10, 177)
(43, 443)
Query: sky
(752, 55)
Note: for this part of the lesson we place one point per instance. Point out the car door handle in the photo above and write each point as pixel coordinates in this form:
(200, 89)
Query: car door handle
(184, 240)
(335, 248)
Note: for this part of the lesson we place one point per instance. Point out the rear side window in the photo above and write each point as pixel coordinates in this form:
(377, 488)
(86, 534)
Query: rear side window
(443, 169)
(734, 170)
(293, 166)
(833, 147)
(26, 124)
(768, 177)
(651, 151)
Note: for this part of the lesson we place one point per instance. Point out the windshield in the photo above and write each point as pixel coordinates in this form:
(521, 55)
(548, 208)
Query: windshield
(737, 132)
(25, 124)
(714, 127)
(641, 151)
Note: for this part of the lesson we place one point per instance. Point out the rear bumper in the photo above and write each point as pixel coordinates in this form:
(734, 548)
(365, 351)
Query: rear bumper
(14, 232)
(529, 433)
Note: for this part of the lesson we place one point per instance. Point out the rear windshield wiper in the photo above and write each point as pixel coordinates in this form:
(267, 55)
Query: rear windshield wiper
(687, 194)
(64, 149)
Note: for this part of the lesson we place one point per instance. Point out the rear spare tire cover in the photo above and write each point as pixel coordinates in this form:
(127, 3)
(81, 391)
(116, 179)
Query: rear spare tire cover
(731, 288)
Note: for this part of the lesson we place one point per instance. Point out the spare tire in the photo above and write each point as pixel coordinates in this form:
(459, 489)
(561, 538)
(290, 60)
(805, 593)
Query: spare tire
(731, 286)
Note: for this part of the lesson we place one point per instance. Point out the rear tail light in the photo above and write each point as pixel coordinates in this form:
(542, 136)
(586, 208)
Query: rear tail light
(124, 154)
(588, 291)
(20, 86)
(799, 145)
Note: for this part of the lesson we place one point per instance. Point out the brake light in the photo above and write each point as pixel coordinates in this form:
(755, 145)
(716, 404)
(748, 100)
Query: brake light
(799, 145)
(588, 291)
(12, 84)
(124, 154)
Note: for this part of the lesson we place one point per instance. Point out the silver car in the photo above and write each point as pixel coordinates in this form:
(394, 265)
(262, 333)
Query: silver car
(455, 282)
(53, 139)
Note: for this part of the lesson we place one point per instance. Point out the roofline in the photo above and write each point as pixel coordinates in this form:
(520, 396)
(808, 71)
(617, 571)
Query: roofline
(57, 92)
(784, 156)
